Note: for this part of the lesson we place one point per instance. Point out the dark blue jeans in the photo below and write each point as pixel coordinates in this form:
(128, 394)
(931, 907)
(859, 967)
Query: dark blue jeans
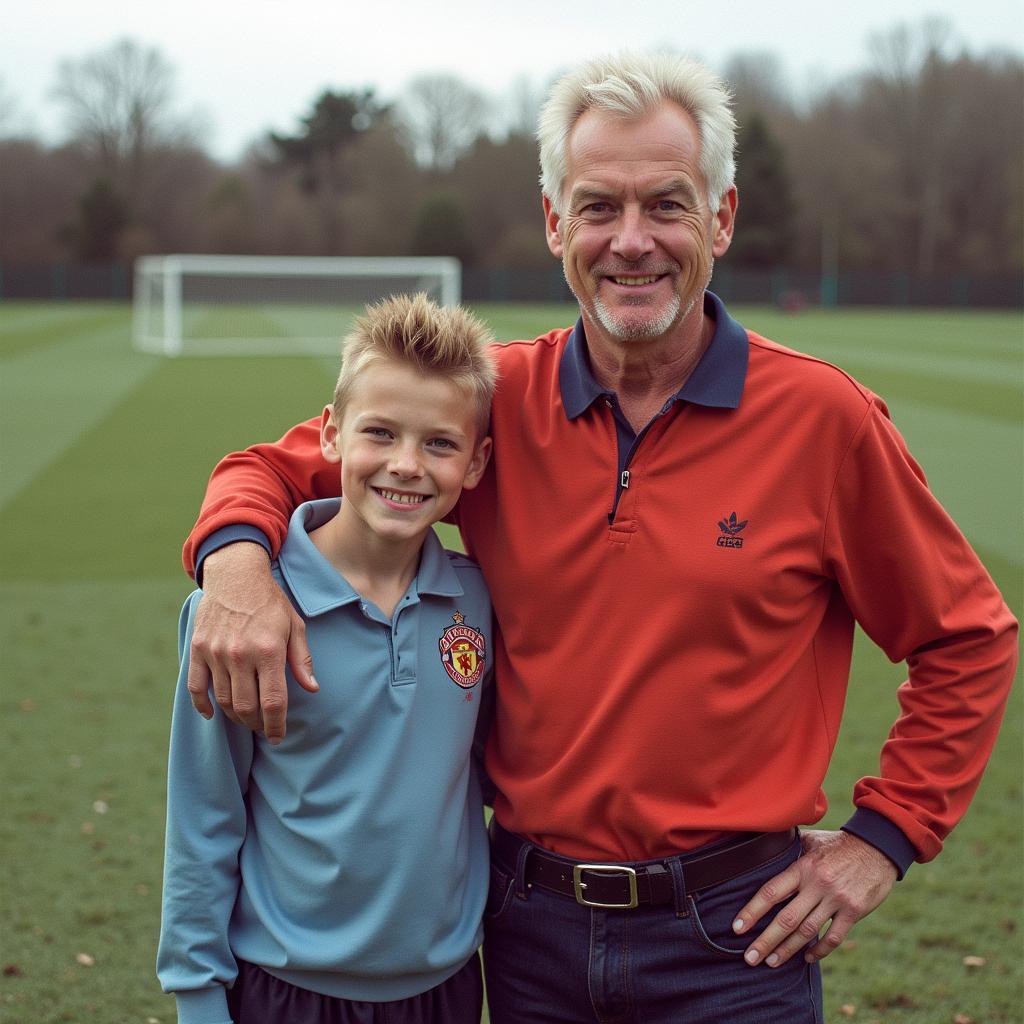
(548, 960)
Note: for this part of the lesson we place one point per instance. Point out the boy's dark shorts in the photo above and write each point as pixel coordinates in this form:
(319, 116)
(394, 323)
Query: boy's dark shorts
(259, 998)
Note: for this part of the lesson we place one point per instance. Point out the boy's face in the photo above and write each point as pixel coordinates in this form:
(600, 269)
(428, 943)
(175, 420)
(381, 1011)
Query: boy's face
(408, 445)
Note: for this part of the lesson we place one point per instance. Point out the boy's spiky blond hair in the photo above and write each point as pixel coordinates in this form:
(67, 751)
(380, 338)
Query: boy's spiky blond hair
(446, 341)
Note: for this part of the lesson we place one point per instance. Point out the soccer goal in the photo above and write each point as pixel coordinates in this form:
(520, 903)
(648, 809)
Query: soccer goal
(271, 305)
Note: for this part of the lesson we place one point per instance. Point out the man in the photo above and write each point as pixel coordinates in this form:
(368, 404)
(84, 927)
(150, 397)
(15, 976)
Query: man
(681, 523)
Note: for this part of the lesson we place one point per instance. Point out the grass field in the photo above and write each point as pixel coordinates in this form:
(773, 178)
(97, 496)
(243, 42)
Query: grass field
(105, 454)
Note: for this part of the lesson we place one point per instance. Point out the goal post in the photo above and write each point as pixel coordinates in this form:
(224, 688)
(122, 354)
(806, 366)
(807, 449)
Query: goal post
(194, 305)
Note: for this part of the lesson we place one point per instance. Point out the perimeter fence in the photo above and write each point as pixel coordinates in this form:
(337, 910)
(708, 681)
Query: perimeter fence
(788, 289)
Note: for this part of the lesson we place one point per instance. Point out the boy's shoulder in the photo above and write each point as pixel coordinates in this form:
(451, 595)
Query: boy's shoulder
(469, 575)
(459, 560)
(463, 565)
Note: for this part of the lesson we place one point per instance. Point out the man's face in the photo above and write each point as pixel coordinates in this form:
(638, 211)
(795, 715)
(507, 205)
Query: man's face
(635, 235)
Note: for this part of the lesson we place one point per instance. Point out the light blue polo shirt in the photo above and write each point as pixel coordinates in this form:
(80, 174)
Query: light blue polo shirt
(351, 859)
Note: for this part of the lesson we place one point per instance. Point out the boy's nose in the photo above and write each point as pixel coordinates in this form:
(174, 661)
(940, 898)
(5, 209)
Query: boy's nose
(405, 461)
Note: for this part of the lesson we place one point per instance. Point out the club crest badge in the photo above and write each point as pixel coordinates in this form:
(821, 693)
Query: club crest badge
(463, 650)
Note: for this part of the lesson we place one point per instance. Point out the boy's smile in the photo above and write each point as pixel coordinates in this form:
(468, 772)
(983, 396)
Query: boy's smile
(400, 497)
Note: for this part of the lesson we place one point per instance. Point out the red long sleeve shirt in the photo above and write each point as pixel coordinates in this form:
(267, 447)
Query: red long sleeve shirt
(675, 642)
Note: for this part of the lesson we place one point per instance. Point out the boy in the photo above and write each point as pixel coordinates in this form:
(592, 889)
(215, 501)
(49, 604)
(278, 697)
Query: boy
(341, 875)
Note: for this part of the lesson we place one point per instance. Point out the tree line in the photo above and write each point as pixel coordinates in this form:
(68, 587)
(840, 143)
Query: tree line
(912, 164)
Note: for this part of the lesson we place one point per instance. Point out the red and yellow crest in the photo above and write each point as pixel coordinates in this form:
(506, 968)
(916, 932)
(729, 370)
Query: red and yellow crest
(463, 650)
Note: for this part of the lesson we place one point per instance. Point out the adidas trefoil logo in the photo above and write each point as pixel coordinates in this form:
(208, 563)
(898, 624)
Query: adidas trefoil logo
(730, 532)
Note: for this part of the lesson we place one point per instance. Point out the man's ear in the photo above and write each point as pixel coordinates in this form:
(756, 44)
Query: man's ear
(552, 227)
(724, 222)
(329, 435)
(481, 456)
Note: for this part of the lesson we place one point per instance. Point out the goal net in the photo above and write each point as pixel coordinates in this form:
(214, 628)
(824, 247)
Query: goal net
(196, 305)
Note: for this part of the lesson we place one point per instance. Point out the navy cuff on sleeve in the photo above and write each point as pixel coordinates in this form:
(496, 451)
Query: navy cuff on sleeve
(884, 836)
(228, 535)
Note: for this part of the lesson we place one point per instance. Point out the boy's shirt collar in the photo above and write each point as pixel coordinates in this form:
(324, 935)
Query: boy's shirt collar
(717, 380)
(318, 587)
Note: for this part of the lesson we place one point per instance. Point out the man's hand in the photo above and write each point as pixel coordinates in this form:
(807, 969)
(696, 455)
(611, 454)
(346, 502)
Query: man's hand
(838, 880)
(245, 631)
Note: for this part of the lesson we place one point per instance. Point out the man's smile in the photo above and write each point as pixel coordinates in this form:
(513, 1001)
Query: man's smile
(634, 281)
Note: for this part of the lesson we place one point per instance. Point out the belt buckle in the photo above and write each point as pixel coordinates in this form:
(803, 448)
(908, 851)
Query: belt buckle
(605, 869)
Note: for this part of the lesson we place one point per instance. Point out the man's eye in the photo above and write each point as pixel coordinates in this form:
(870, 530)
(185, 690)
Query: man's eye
(668, 206)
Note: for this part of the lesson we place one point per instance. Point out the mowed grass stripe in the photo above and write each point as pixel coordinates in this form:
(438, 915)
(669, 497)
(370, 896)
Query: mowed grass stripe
(26, 328)
(122, 495)
(974, 465)
(972, 368)
(52, 393)
(15, 315)
(998, 400)
(995, 335)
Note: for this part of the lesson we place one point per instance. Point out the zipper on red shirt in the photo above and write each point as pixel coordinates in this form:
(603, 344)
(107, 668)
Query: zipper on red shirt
(622, 484)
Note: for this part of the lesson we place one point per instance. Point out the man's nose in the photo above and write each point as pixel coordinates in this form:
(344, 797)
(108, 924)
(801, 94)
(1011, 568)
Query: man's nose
(632, 239)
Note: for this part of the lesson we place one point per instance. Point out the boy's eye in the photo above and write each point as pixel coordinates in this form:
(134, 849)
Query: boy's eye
(442, 442)
(377, 432)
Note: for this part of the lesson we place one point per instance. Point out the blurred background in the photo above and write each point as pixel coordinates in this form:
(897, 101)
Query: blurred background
(881, 146)
(881, 178)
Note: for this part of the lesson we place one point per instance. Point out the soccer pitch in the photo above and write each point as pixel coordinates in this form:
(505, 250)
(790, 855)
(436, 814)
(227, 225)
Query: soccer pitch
(105, 454)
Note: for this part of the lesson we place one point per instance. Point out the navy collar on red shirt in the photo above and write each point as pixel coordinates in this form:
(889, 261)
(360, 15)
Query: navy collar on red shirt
(717, 381)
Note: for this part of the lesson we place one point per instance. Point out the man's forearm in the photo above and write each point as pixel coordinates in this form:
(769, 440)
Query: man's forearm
(234, 568)
(260, 487)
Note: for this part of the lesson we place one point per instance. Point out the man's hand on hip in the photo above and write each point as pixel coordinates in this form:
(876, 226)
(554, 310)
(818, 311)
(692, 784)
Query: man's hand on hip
(838, 880)
(245, 631)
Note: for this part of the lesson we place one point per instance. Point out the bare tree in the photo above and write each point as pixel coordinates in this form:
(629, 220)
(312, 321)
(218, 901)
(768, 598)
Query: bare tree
(38, 187)
(524, 101)
(117, 104)
(759, 85)
(915, 105)
(443, 116)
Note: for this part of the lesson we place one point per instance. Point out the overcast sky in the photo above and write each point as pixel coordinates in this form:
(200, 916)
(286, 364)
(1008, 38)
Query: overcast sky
(249, 66)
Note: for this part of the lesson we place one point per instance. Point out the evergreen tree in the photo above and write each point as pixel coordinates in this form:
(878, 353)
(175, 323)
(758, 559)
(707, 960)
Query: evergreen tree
(765, 225)
(320, 147)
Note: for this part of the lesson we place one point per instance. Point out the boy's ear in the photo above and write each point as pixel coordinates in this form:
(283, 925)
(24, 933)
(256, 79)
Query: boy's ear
(478, 464)
(329, 435)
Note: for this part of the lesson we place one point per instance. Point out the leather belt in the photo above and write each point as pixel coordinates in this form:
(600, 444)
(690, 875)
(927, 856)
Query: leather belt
(638, 883)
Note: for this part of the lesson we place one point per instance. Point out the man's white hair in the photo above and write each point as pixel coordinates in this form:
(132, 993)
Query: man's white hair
(629, 85)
